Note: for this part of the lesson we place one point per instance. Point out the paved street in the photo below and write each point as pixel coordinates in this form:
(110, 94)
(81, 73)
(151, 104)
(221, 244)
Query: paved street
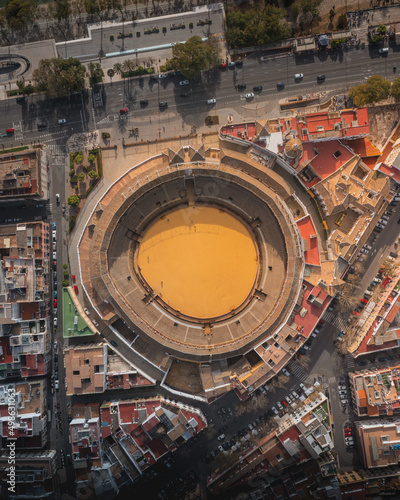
(342, 69)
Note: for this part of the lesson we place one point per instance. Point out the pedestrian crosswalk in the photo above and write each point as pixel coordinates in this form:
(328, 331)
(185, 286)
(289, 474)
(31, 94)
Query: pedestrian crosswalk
(332, 380)
(351, 364)
(334, 320)
(56, 149)
(298, 371)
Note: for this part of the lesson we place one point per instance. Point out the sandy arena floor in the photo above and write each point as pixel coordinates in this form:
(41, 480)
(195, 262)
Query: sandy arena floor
(200, 260)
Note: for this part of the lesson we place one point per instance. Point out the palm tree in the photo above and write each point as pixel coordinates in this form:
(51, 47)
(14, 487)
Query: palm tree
(117, 68)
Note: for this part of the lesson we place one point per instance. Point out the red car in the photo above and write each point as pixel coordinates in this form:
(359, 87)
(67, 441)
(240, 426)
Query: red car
(355, 313)
(347, 434)
(10, 131)
(123, 111)
(347, 429)
(223, 66)
(364, 301)
(76, 289)
(55, 303)
(73, 278)
(283, 402)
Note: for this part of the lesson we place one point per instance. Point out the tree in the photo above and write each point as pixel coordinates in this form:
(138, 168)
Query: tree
(110, 72)
(117, 68)
(96, 72)
(65, 282)
(128, 65)
(341, 22)
(19, 13)
(62, 9)
(335, 44)
(381, 29)
(92, 7)
(81, 177)
(74, 200)
(254, 27)
(25, 89)
(65, 266)
(59, 77)
(376, 89)
(91, 158)
(309, 10)
(193, 56)
(92, 174)
(78, 158)
(395, 90)
(376, 38)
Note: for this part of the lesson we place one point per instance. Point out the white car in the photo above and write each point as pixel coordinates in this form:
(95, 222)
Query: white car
(55, 320)
(54, 235)
(54, 255)
(221, 437)
(211, 101)
(275, 410)
(86, 310)
(184, 82)
(302, 386)
(278, 404)
(162, 76)
(285, 372)
(61, 121)
(57, 385)
(298, 76)
(349, 440)
(250, 95)
(295, 395)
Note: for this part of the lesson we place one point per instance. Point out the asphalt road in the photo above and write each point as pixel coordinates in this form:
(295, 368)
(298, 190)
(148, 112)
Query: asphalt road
(341, 69)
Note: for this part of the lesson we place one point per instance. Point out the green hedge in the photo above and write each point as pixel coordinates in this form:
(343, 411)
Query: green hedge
(14, 150)
(137, 72)
(71, 223)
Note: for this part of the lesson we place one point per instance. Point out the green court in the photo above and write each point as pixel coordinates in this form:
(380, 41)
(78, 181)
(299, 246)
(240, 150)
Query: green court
(73, 324)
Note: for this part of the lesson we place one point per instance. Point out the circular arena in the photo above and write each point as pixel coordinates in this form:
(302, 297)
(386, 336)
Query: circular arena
(200, 258)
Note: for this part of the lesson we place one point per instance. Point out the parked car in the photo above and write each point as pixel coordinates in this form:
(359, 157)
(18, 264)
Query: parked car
(183, 83)
(321, 78)
(163, 104)
(221, 437)
(250, 95)
(278, 404)
(211, 101)
(298, 76)
(280, 85)
(61, 121)
(241, 86)
(258, 88)
(285, 372)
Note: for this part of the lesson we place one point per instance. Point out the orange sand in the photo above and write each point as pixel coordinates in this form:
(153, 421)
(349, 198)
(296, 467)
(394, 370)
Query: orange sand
(200, 260)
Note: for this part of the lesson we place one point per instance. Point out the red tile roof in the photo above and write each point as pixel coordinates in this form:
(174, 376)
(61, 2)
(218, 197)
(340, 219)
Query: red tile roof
(308, 233)
(307, 322)
(324, 163)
